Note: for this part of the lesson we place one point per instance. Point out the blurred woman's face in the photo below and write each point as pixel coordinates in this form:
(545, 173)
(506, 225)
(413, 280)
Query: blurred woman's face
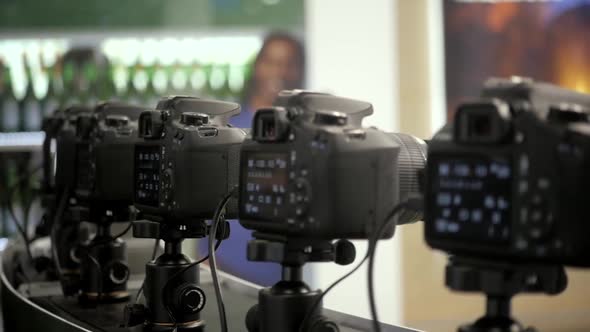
(277, 68)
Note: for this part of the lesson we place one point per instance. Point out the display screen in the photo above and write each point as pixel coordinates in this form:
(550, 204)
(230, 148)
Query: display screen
(147, 175)
(266, 176)
(471, 198)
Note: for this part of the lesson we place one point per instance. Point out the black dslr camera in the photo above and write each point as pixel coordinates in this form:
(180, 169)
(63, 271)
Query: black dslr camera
(105, 180)
(63, 154)
(508, 178)
(311, 170)
(51, 126)
(311, 174)
(188, 158)
(185, 163)
(104, 195)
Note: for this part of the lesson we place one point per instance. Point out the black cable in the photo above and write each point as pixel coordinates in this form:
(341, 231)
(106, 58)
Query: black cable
(372, 249)
(22, 229)
(112, 238)
(26, 215)
(217, 218)
(154, 252)
(53, 234)
(334, 284)
(100, 286)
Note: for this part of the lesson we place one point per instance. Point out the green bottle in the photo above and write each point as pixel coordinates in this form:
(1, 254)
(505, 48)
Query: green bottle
(141, 81)
(31, 109)
(70, 95)
(105, 85)
(133, 95)
(9, 106)
(151, 96)
(178, 80)
(3, 94)
(160, 84)
(198, 80)
(217, 80)
(89, 83)
(120, 76)
(55, 89)
(236, 80)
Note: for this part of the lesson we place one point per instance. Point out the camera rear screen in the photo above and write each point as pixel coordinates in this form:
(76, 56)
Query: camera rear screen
(471, 199)
(265, 179)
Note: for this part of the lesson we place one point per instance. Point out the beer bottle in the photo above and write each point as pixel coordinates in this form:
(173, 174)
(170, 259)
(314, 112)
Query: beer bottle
(9, 106)
(70, 95)
(54, 89)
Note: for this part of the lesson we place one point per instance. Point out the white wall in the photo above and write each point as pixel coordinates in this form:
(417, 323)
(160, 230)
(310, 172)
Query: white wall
(351, 51)
(436, 63)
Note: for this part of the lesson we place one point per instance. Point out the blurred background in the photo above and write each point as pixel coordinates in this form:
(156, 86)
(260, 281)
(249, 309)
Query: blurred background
(415, 60)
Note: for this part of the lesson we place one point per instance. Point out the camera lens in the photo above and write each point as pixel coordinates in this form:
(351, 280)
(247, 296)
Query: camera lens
(411, 161)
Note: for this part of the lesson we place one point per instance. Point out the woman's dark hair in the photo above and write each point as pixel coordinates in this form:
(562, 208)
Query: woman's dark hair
(81, 55)
(251, 84)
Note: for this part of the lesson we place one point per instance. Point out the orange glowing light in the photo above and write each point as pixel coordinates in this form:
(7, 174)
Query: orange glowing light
(572, 67)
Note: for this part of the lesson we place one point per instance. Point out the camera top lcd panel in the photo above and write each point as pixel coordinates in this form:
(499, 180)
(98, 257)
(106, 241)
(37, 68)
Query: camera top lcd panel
(188, 158)
(311, 170)
(508, 178)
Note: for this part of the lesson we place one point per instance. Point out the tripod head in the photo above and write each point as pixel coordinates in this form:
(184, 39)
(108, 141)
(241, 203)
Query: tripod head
(173, 298)
(298, 251)
(500, 281)
(285, 306)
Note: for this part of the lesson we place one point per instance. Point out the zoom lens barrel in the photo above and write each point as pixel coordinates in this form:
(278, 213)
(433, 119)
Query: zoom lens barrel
(411, 161)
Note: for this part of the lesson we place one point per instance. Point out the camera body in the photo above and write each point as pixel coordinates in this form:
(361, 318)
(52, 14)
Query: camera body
(71, 149)
(187, 159)
(109, 136)
(311, 170)
(507, 179)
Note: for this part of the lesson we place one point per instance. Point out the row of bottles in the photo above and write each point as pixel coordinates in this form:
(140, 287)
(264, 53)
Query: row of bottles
(87, 82)
(13, 165)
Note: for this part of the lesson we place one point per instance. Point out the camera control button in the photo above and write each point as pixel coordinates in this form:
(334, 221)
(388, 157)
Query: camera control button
(299, 211)
(535, 233)
(537, 216)
(523, 187)
(537, 200)
(521, 244)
